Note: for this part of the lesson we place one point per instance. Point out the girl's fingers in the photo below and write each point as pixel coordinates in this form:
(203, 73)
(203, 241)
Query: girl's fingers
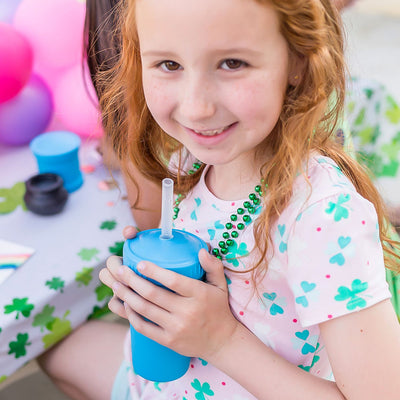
(129, 232)
(117, 307)
(113, 262)
(178, 283)
(183, 285)
(213, 268)
(146, 308)
(147, 328)
(106, 275)
(117, 274)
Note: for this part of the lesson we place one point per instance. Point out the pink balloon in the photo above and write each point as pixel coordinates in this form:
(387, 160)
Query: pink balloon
(15, 62)
(76, 103)
(54, 29)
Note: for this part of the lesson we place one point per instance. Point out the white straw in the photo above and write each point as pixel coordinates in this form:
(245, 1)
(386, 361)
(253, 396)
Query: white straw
(167, 208)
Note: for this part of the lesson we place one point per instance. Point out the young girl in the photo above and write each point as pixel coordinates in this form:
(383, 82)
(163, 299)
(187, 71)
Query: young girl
(295, 303)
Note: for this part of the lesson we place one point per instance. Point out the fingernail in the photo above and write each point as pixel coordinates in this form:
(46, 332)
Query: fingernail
(140, 266)
(116, 285)
(120, 271)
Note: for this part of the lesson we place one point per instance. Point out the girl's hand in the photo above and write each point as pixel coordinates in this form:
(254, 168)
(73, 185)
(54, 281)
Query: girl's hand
(194, 320)
(107, 277)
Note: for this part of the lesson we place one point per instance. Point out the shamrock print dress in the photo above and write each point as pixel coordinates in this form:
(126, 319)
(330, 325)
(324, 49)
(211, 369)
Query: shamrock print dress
(326, 262)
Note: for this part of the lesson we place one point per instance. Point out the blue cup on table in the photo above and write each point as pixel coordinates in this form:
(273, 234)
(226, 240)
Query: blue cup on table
(57, 152)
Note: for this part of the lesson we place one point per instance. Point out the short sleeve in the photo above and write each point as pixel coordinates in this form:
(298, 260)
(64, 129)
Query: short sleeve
(335, 259)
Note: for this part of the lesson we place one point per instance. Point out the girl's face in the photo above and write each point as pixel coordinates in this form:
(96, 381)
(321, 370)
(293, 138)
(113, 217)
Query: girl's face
(214, 74)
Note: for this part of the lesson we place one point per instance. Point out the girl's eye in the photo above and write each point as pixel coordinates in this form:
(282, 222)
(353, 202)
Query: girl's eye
(233, 63)
(169, 66)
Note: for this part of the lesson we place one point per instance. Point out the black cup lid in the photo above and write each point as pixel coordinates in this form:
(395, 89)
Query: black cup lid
(44, 183)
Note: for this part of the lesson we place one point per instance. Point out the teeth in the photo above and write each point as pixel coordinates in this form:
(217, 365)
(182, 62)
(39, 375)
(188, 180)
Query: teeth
(211, 132)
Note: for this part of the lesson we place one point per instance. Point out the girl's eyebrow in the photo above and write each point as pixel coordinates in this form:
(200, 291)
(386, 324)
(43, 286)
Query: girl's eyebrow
(222, 52)
(158, 53)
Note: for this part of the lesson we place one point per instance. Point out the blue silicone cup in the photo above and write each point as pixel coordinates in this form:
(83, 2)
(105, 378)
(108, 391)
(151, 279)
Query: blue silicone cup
(151, 360)
(57, 153)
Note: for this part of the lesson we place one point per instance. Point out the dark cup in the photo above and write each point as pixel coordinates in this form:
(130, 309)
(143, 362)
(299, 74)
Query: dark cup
(45, 194)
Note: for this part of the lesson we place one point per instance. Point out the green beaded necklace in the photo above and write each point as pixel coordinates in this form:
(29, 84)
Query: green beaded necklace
(242, 217)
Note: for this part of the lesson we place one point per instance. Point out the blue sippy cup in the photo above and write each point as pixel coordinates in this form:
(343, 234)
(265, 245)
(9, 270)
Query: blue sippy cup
(177, 251)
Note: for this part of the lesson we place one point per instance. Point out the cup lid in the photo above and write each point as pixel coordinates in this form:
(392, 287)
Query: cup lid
(55, 143)
(183, 248)
(44, 183)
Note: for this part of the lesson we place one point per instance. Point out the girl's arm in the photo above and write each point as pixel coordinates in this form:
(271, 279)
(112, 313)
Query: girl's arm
(340, 4)
(196, 320)
(363, 347)
(147, 210)
(364, 351)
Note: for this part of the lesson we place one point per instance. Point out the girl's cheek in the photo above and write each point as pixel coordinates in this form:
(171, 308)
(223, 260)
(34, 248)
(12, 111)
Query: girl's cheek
(157, 99)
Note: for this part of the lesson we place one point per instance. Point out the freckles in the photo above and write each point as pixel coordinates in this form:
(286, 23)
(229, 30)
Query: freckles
(155, 95)
(251, 98)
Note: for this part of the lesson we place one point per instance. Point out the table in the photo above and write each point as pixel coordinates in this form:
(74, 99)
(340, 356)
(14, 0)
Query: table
(58, 288)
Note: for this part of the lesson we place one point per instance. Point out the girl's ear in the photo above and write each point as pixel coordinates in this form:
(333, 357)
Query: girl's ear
(296, 69)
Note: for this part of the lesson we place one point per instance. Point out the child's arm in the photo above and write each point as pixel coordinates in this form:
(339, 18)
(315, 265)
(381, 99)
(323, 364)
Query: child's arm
(364, 347)
(340, 4)
(364, 351)
(147, 210)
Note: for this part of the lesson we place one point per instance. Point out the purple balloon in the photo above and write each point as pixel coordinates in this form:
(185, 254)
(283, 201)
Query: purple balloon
(27, 114)
(7, 10)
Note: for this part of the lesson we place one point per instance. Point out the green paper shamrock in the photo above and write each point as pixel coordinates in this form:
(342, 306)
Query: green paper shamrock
(84, 276)
(116, 249)
(59, 329)
(56, 284)
(45, 318)
(19, 306)
(109, 225)
(99, 312)
(103, 292)
(19, 347)
(11, 198)
(89, 254)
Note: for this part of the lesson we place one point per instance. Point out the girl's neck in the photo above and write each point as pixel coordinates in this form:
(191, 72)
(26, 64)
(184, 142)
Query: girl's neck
(230, 182)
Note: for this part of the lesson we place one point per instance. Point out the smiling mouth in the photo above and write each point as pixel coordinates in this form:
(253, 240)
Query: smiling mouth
(212, 132)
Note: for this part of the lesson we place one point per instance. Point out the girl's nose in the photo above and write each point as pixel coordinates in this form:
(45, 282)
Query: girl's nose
(198, 101)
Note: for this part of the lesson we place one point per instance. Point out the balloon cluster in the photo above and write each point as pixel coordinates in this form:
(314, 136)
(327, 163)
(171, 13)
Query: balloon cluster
(44, 80)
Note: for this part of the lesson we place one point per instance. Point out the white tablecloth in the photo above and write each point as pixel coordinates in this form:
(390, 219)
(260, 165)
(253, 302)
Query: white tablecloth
(58, 288)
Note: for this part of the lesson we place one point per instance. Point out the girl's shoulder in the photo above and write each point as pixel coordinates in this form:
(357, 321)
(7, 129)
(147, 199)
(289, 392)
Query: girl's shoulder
(322, 182)
(321, 178)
